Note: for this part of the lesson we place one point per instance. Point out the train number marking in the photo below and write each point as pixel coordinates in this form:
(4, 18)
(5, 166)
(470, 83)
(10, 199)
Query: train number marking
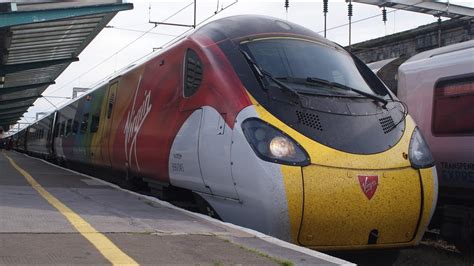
(177, 167)
(135, 119)
(368, 184)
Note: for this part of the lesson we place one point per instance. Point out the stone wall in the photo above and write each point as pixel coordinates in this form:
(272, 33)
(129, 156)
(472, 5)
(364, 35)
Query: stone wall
(413, 41)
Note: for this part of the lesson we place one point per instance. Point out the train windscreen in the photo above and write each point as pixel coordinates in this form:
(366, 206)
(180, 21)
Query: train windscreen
(290, 59)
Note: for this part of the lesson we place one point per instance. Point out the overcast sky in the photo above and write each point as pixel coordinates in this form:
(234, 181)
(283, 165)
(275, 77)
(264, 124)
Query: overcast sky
(117, 47)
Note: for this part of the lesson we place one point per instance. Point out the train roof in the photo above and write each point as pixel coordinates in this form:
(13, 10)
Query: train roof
(376, 66)
(235, 28)
(443, 50)
(238, 28)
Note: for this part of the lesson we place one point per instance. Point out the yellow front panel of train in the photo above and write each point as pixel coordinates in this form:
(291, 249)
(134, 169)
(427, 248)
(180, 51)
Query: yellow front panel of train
(337, 211)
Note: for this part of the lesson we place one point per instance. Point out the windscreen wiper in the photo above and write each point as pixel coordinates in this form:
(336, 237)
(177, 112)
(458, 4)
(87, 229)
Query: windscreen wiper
(262, 73)
(342, 86)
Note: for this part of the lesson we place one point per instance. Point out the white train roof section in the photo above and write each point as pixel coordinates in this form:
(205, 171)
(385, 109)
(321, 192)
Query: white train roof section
(444, 50)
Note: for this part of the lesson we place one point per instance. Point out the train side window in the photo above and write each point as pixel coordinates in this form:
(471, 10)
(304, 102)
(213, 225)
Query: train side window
(68, 127)
(192, 73)
(56, 130)
(75, 127)
(95, 123)
(84, 122)
(62, 129)
(113, 91)
(453, 107)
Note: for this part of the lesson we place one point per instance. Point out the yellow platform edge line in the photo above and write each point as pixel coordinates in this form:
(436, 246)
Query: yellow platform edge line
(104, 245)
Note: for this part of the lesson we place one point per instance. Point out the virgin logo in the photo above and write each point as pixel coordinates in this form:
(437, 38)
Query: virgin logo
(368, 184)
(135, 119)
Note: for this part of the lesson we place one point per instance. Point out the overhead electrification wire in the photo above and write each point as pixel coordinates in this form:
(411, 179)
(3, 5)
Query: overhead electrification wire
(50, 102)
(356, 21)
(172, 40)
(141, 31)
(103, 61)
(121, 49)
(371, 17)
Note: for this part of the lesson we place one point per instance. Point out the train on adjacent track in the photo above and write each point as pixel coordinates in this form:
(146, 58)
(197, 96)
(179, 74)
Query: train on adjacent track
(266, 125)
(438, 87)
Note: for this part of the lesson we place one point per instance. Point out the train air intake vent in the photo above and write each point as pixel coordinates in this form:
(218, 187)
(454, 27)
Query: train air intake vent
(387, 124)
(309, 120)
(192, 73)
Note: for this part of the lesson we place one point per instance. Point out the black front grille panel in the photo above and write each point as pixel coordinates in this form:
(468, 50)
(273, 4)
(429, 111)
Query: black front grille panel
(387, 124)
(309, 120)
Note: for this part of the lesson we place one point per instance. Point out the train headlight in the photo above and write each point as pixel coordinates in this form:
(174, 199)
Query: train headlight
(282, 147)
(271, 144)
(419, 152)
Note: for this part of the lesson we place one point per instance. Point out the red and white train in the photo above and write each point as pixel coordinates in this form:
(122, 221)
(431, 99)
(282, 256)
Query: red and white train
(267, 125)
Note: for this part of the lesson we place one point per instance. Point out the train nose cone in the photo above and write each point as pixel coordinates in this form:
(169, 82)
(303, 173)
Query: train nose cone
(359, 207)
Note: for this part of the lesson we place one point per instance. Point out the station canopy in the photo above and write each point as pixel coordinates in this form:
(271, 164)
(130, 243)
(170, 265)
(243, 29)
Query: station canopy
(38, 41)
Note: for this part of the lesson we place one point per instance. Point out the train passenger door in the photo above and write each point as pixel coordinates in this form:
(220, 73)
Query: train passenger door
(106, 146)
(52, 135)
(215, 139)
(59, 136)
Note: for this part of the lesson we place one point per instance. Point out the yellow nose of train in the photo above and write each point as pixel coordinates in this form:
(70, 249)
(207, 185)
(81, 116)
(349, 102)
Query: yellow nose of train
(350, 201)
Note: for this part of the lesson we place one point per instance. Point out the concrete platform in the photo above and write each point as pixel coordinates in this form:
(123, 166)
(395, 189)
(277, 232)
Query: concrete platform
(70, 218)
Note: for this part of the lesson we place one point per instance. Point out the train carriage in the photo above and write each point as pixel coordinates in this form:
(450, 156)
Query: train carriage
(270, 126)
(39, 136)
(438, 86)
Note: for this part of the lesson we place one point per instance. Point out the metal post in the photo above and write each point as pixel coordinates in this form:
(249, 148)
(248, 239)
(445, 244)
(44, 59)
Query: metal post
(194, 25)
(350, 23)
(325, 10)
(55, 107)
(76, 90)
(439, 31)
(40, 113)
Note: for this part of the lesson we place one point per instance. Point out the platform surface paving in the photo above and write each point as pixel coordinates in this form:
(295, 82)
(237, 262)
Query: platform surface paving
(113, 226)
